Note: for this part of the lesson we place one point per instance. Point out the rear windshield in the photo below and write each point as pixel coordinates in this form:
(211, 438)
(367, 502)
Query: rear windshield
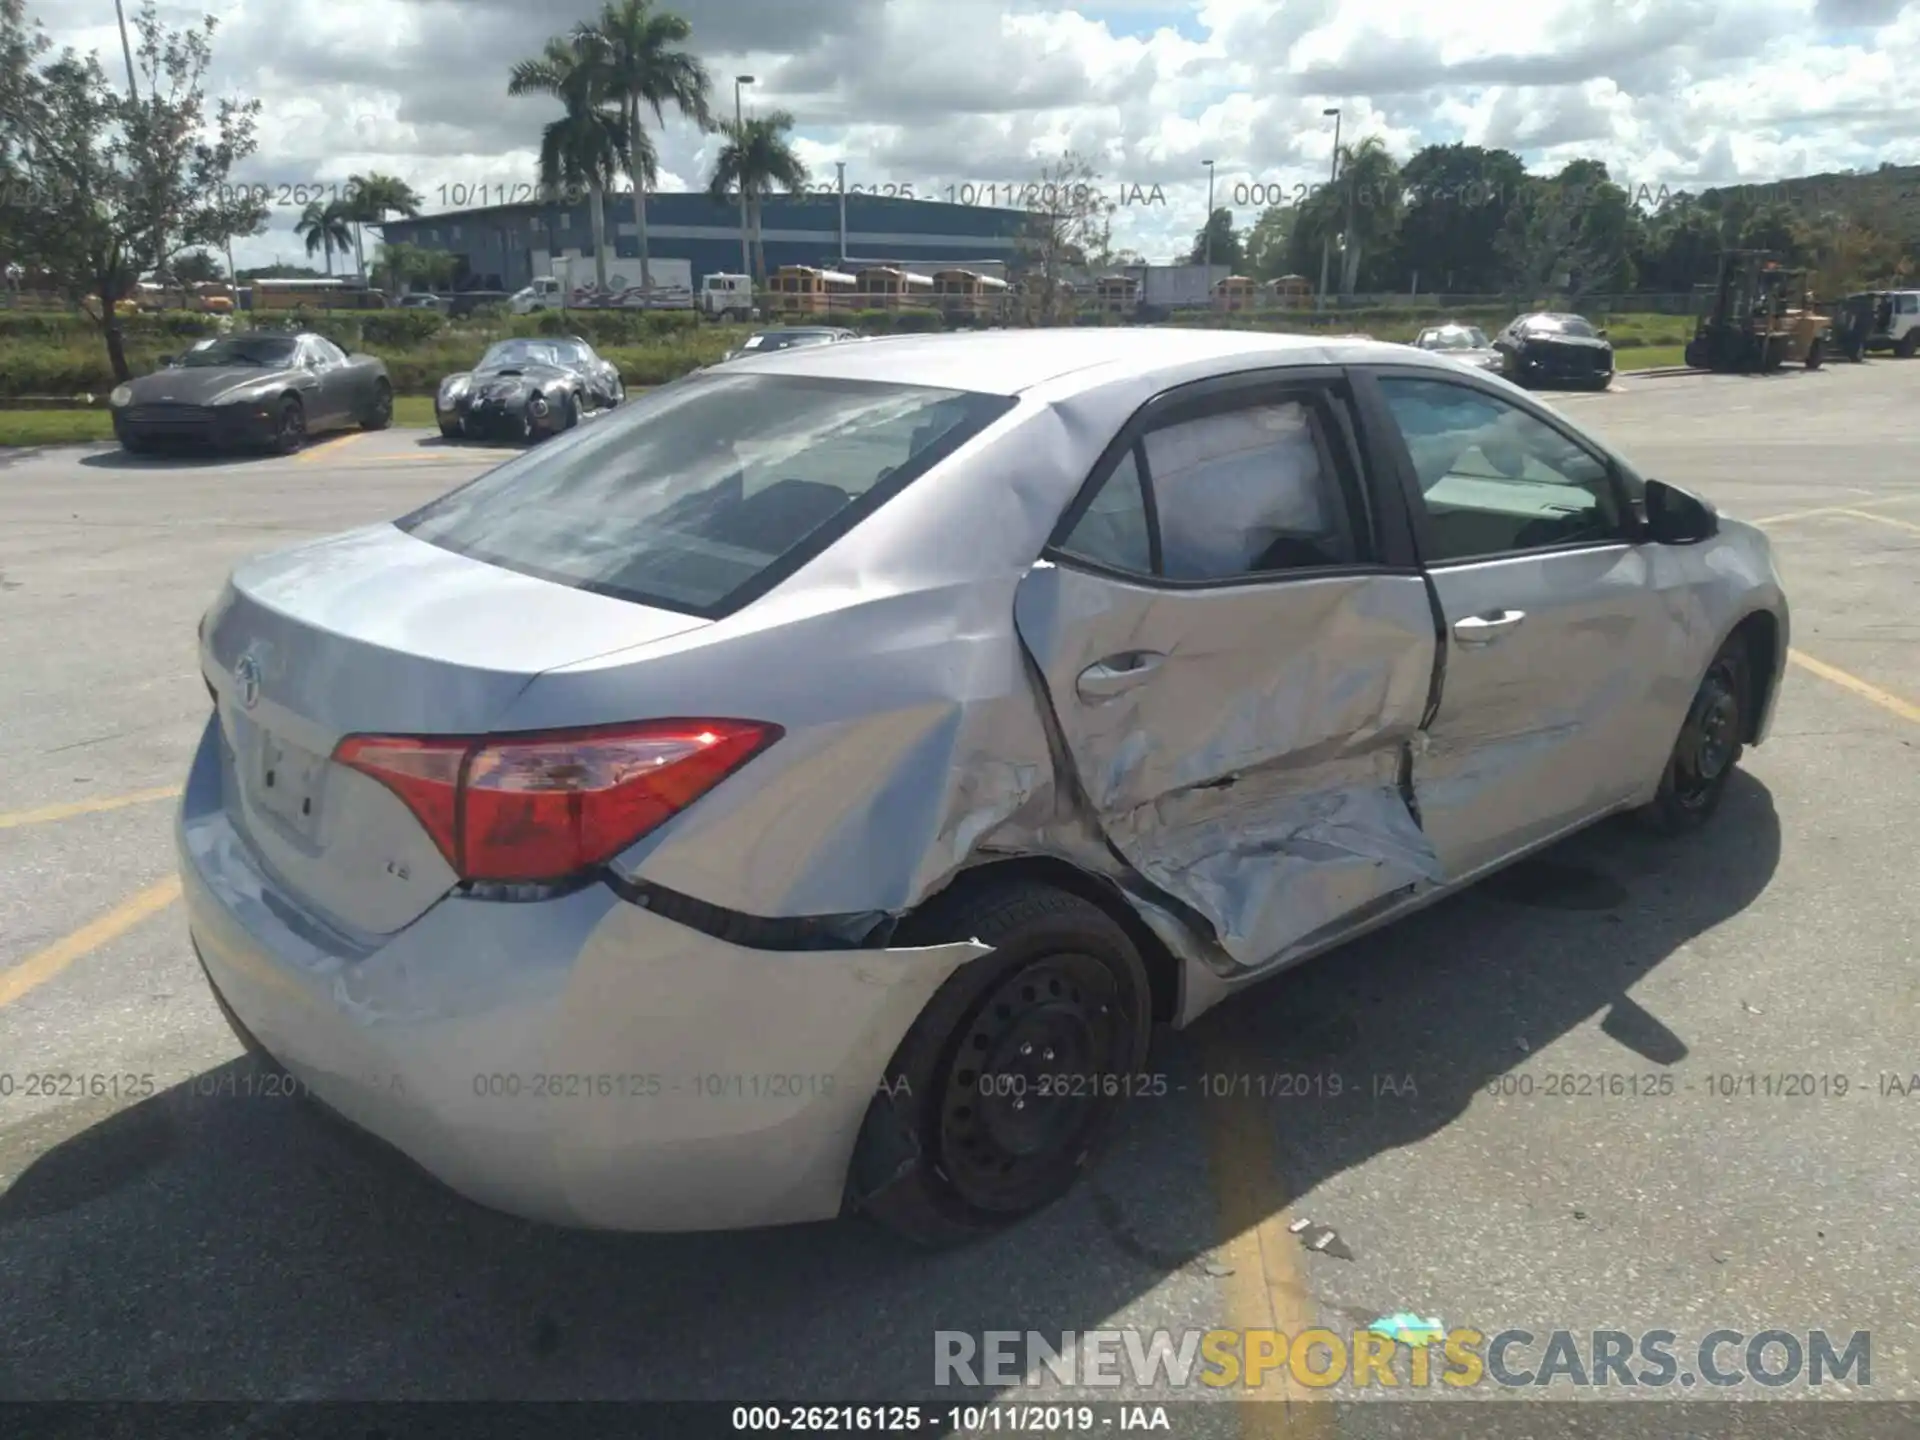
(707, 492)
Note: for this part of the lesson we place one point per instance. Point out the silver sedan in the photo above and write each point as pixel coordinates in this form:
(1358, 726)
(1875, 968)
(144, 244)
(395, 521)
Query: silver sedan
(807, 789)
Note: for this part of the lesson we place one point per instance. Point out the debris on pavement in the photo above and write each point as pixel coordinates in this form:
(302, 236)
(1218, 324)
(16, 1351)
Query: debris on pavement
(1409, 1329)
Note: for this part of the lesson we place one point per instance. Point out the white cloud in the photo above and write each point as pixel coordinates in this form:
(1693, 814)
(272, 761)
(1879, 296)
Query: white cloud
(943, 92)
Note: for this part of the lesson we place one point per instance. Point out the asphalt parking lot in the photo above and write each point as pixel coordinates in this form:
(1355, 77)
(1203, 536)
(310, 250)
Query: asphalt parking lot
(188, 1239)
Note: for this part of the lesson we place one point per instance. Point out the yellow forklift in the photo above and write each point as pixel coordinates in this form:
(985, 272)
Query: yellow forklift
(1758, 315)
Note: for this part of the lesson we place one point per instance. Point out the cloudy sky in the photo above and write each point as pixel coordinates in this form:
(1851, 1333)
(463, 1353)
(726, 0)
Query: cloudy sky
(932, 93)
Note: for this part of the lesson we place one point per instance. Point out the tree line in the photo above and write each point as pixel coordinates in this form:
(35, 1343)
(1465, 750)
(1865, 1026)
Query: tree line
(1466, 219)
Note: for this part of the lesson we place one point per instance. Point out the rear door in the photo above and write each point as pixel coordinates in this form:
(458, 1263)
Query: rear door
(1238, 656)
(1555, 632)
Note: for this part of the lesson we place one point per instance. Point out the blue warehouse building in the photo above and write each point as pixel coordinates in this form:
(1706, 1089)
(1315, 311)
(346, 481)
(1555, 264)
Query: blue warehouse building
(503, 247)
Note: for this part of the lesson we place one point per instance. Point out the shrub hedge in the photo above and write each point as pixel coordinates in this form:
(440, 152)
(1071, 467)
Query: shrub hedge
(51, 354)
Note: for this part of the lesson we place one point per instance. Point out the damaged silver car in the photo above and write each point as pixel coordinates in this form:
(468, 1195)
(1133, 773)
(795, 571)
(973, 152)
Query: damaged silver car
(806, 789)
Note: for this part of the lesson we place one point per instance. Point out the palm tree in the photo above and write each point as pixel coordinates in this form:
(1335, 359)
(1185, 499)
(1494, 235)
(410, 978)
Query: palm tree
(324, 227)
(583, 148)
(757, 157)
(371, 198)
(1370, 192)
(637, 46)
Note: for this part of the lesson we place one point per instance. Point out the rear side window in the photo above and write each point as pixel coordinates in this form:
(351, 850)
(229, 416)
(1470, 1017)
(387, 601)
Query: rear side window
(708, 492)
(1246, 492)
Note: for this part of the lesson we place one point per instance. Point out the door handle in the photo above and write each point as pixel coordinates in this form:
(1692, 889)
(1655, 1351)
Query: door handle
(1116, 673)
(1487, 628)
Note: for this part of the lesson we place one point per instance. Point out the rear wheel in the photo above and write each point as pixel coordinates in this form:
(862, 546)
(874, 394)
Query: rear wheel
(1904, 346)
(1695, 356)
(571, 416)
(1816, 352)
(1002, 1091)
(380, 413)
(1710, 743)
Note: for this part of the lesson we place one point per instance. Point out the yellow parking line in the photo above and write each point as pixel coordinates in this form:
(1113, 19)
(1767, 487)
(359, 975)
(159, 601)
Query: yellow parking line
(13, 819)
(1905, 709)
(37, 969)
(322, 449)
(1266, 1290)
(1836, 509)
(1882, 520)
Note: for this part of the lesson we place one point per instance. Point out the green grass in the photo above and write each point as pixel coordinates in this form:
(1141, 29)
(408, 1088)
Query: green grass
(54, 427)
(414, 411)
(1648, 357)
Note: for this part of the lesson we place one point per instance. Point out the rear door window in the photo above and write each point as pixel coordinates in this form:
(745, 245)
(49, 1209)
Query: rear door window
(708, 492)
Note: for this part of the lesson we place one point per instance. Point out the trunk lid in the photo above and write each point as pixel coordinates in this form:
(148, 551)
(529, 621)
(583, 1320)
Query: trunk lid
(377, 632)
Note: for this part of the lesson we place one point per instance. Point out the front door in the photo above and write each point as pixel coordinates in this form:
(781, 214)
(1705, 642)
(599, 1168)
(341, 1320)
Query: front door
(1236, 674)
(1554, 628)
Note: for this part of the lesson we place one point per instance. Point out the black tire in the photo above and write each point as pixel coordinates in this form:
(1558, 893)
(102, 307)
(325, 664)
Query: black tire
(380, 415)
(1816, 353)
(570, 417)
(1695, 355)
(1904, 346)
(1709, 745)
(290, 434)
(1064, 993)
(450, 432)
(135, 445)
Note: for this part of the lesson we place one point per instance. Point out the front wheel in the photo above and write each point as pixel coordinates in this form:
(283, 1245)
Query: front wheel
(1002, 1091)
(290, 430)
(1816, 353)
(1710, 744)
(1903, 347)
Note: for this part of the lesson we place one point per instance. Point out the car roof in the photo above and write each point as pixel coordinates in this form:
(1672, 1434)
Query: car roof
(1007, 362)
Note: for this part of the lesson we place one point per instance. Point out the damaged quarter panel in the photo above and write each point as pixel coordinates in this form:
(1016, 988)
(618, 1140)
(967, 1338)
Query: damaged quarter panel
(913, 734)
(1240, 720)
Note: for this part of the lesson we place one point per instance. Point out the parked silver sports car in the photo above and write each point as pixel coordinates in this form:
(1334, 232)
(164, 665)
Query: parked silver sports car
(807, 786)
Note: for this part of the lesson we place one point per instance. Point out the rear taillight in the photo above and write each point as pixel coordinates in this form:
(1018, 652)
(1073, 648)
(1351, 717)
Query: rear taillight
(537, 808)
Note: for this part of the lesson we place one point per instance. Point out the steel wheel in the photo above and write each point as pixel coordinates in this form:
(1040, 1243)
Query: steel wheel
(1709, 745)
(1001, 1093)
(1020, 1095)
(1710, 739)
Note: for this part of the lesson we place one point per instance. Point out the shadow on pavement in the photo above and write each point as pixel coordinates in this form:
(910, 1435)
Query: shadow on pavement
(200, 1245)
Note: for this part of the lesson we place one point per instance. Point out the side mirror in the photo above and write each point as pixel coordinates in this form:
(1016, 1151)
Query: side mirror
(1675, 517)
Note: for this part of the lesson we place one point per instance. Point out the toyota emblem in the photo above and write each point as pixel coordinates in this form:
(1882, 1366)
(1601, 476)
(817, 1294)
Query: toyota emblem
(247, 676)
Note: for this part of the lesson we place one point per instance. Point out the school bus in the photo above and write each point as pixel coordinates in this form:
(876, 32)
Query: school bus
(808, 290)
(969, 293)
(333, 294)
(1236, 292)
(1291, 292)
(888, 287)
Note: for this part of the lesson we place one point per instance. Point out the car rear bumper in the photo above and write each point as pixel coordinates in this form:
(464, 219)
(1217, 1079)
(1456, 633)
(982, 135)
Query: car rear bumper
(578, 1060)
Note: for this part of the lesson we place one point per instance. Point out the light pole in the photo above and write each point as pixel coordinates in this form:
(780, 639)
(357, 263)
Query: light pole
(739, 141)
(1206, 232)
(125, 49)
(840, 174)
(1333, 175)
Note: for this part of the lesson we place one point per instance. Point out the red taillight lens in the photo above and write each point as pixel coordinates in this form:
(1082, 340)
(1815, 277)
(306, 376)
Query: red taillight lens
(530, 808)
